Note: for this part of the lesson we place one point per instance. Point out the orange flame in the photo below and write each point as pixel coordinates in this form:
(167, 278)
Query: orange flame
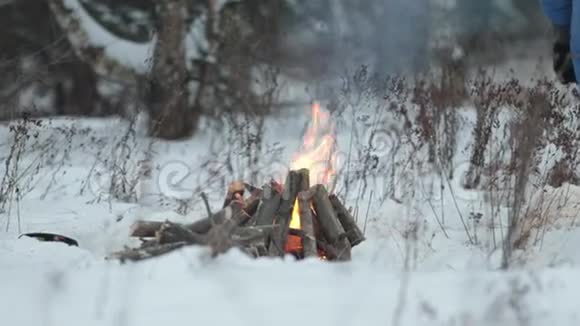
(317, 152)
(294, 242)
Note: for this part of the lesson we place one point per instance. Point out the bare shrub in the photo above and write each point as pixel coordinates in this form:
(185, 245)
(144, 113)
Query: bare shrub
(10, 191)
(561, 173)
(524, 139)
(125, 176)
(527, 135)
(438, 97)
(371, 107)
(487, 97)
(117, 167)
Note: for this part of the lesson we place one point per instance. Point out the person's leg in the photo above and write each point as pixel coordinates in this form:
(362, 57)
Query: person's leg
(575, 37)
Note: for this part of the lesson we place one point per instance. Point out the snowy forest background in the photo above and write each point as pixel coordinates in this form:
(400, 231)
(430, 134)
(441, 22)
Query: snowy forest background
(100, 58)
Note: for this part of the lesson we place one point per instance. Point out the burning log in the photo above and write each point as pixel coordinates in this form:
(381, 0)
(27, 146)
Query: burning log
(307, 224)
(283, 213)
(266, 214)
(353, 232)
(296, 181)
(329, 224)
(304, 180)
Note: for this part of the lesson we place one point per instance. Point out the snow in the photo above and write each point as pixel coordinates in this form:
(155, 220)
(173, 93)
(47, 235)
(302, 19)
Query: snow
(184, 287)
(64, 178)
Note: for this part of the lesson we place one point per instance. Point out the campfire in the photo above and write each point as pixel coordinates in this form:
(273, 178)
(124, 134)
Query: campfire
(301, 217)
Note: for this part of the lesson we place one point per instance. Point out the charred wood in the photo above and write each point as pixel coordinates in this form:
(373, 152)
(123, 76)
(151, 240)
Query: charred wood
(148, 228)
(344, 249)
(304, 180)
(307, 224)
(144, 229)
(252, 203)
(327, 218)
(294, 183)
(353, 232)
(270, 202)
(249, 235)
(219, 236)
(329, 224)
(172, 232)
(330, 252)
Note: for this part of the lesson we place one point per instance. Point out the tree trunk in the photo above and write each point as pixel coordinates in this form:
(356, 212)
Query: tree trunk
(307, 224)
(170, 115)
(82, 97)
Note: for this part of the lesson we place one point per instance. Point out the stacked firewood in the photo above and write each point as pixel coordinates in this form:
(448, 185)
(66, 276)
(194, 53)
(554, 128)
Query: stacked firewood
(259, 225)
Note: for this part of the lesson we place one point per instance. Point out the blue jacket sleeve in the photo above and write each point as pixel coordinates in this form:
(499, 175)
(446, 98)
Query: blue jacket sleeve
(558, 11)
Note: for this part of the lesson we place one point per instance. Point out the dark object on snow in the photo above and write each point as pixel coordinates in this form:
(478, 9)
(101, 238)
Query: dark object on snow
(51, 237)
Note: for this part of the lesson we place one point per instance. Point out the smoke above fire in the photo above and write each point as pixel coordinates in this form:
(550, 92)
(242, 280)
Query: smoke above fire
(394, 36)
(391, 35)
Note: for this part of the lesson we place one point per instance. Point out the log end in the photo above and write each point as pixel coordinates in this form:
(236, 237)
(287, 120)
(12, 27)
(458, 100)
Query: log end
(355, 237)
(236, 191)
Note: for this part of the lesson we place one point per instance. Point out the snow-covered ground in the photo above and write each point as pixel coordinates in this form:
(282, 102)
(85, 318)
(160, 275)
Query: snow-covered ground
(62, 183)
(51, 284)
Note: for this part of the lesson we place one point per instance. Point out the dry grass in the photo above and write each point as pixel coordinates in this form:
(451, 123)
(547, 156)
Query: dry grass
(524, 140)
